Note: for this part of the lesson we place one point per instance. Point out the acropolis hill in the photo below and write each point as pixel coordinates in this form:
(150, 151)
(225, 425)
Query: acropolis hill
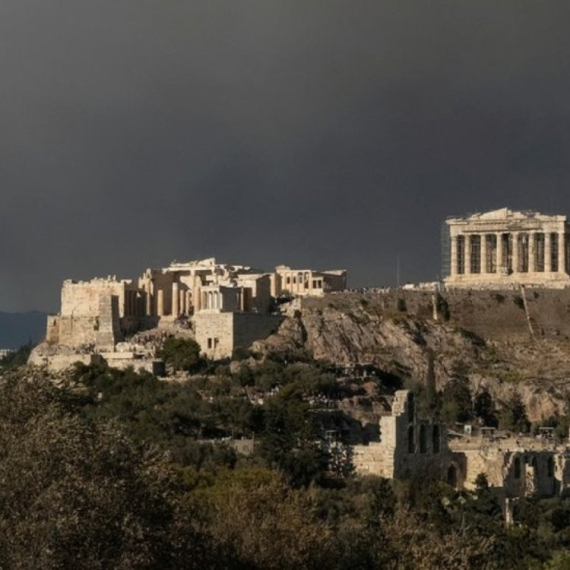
(229, 306)
(500, 318)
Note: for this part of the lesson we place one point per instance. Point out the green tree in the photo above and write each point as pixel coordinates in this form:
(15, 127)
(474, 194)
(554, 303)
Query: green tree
(513, 415)
(291, 440)
(259, 521)
(16, 358)
(182, 354)
(484, 408)
(456, 404)
(75, 494)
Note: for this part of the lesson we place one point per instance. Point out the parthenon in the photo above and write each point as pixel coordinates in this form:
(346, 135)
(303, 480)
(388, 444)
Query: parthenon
(504, 247)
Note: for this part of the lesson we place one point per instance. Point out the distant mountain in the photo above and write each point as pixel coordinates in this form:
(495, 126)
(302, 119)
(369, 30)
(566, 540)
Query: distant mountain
(17, 329)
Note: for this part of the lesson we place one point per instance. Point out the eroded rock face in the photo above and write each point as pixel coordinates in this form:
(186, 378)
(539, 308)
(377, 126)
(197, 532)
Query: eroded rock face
(409, 346)
(400, 345)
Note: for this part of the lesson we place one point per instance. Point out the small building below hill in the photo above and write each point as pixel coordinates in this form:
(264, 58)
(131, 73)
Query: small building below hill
(409, 447)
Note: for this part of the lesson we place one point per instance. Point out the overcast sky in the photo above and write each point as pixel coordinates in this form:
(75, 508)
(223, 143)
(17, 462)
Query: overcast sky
(324, 134)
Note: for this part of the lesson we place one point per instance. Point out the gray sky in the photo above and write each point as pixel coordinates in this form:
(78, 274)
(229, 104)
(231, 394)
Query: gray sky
(313, 133)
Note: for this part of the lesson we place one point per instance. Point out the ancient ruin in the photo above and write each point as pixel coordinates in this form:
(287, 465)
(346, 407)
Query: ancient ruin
(225, 306)
(503, 248)
(515, 466)
(306, 282)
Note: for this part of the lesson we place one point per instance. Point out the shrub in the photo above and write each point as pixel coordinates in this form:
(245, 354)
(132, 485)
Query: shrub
(182, 354)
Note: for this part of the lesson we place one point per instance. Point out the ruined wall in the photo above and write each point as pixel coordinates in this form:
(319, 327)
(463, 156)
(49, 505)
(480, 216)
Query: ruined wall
(214, 333)
(517, 467)
(249, 327)
(108, 330)
(500, 315)
(81, 299)
(59, 362)
(408, 447)
(76, 331)
(494, 315)
(52, 330)
(219, 333)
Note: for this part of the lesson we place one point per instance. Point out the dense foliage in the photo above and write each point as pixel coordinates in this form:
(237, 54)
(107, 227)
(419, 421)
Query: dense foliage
(117, 469)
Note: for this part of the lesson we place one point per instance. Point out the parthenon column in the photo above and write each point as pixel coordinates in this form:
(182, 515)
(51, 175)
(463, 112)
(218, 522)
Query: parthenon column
(182, 302)
(531, 252)
(467, 254)
(453, 268)
(175, 300)
(150, 299)
(499, 253)
(160, 303)
(547, 252)
(515, 241)
(561, 252)
(483, 253)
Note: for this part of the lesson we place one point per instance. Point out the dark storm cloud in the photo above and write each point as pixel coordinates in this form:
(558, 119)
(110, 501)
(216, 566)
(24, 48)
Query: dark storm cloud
(328, 134)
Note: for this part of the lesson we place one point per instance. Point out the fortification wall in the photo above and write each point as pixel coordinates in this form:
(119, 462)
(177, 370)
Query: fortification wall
(82, 299)
(249, 327)
(76, 331)
(108, 332)
(490, 314)
(219, 333)
(215, 333)
(501, 315)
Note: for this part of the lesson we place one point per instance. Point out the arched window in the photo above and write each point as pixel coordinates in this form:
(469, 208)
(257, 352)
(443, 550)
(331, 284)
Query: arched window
(423, 442)
(435, 438)
(411, 440)
(452, 475)
(411, 407)
(550, 467)
(517, 467)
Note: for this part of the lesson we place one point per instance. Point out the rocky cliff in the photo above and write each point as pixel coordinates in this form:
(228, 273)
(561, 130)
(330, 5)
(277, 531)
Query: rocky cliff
(508, 341)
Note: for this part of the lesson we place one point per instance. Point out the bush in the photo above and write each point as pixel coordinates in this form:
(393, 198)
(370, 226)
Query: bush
(240, 353)
(71, 491)
(182, 354)
(16, 358)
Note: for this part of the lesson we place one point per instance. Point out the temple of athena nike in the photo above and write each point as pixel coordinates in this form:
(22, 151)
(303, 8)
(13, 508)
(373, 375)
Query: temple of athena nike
(505, 248)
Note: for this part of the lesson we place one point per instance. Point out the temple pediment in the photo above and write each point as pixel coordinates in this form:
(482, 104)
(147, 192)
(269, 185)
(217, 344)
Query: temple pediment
(505, 215)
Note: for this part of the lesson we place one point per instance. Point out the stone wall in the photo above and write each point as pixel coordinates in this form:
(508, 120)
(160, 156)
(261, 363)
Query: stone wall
(413, 448)
(60, 362)
(81, 299)
(516, 468)
(408, 447)
(249, 327)
(490, 314)
(108, 330)
(214, 333)
(219, 333)
(75, 331)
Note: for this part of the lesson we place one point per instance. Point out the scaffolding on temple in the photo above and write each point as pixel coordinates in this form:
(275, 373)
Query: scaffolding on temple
(445, 252)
